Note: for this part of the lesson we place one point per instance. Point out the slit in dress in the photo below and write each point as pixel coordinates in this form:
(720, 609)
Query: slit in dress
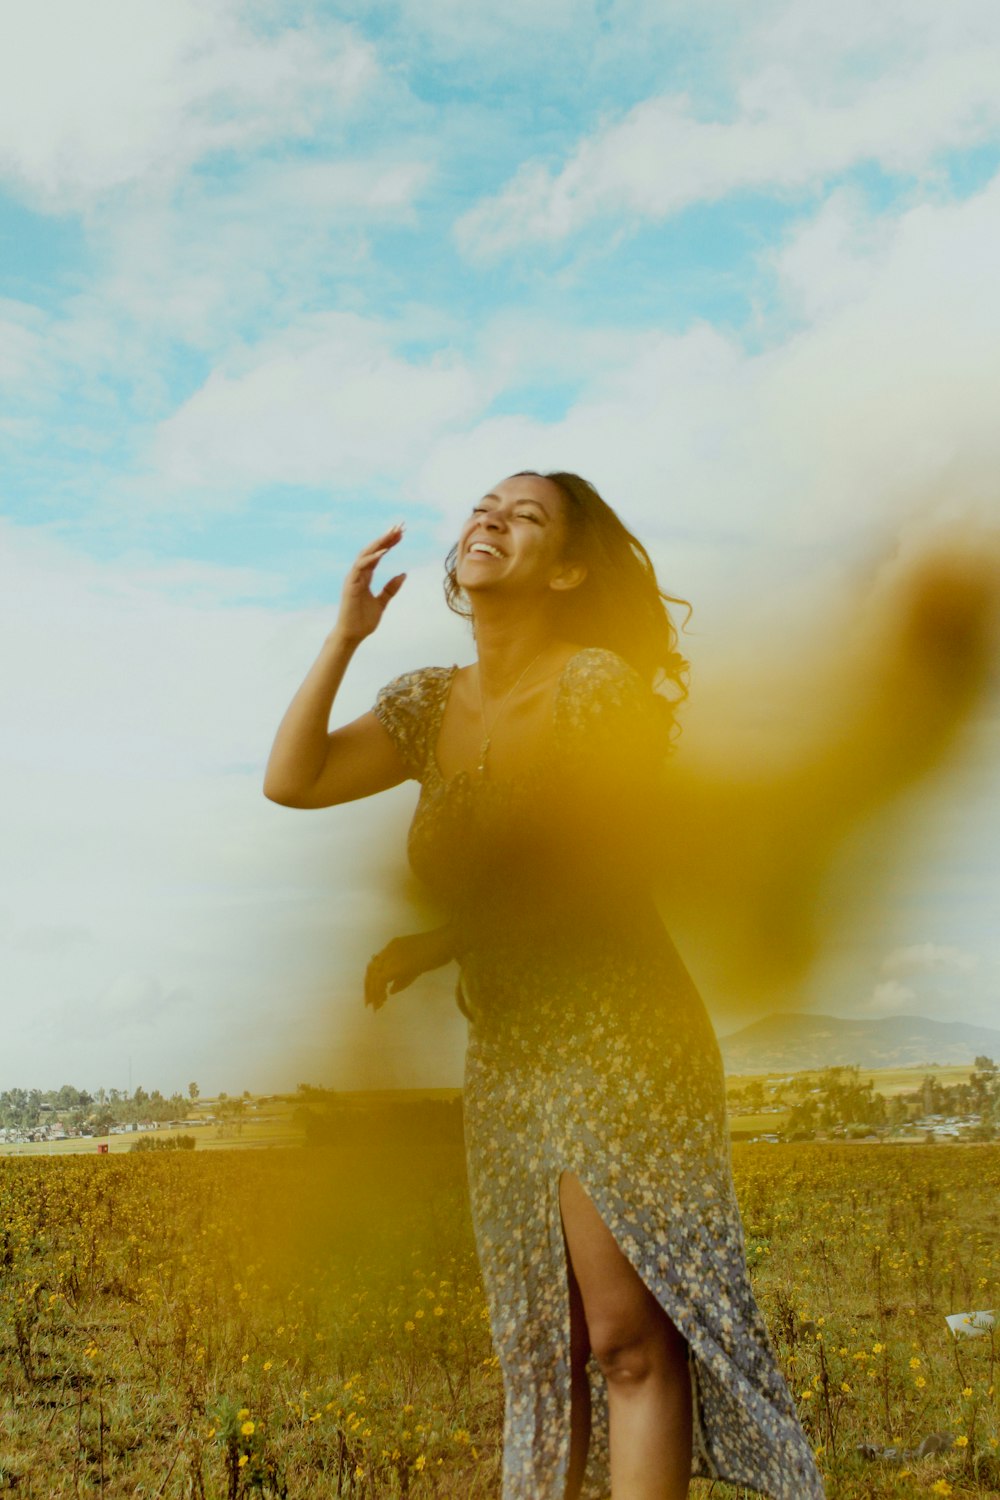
(698, 1436)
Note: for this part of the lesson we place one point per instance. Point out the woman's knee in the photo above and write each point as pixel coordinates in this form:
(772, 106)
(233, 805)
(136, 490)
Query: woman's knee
(635, 1342)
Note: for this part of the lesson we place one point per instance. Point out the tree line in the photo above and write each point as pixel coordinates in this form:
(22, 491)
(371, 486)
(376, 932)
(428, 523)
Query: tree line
(837, 1097)
(27, 1109)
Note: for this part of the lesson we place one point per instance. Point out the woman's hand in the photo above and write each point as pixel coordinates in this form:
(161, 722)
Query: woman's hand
(309, 766)
(404, 960)
(360, 609)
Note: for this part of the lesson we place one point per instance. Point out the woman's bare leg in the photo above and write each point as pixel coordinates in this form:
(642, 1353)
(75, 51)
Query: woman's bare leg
(642, 1355)
(579, 1353)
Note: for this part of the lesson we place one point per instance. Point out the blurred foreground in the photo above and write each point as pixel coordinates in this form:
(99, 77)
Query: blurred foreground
(812, 759)
(311, 1323)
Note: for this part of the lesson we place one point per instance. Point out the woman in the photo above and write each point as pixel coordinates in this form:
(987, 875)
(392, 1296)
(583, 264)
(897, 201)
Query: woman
(632, 1351)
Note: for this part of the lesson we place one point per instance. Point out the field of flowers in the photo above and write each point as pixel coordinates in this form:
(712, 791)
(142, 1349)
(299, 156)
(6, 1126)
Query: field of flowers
(310, 1322)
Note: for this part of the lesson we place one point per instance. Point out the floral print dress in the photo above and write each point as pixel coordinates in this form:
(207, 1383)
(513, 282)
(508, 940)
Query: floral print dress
(590, 1051)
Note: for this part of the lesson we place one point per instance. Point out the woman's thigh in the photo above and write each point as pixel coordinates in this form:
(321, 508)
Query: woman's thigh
(622, 1315)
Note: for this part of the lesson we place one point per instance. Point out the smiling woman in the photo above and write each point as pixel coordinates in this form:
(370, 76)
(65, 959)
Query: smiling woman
(632, 1350)
(611, 597)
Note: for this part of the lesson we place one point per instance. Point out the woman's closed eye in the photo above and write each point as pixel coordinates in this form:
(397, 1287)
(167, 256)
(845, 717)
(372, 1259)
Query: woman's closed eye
(520, 515)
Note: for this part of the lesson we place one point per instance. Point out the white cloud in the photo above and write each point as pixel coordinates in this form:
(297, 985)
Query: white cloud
(194, 269)
(881, 399)
(327, 402)
(830, 47)
(54, 938)
(884, 392)
(249, 251)
(159, 907)
(101, 96)
(135, 999)
(790, 126)
(922, 958)
(890, 996)
(827, 262)
(21, 344)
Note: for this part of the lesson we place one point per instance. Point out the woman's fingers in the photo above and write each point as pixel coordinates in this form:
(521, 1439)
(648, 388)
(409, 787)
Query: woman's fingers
(361, 609)
(364, 567)
(388, 972)
(375, 983)
(369, 556)
(392, 588)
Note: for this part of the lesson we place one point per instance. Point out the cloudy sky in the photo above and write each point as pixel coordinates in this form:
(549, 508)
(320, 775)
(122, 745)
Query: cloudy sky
(273, 275)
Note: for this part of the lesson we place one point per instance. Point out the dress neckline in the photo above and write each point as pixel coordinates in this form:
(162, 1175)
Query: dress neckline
(434, 765)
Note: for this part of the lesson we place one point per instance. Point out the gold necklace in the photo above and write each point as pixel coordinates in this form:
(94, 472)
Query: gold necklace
(484, 748)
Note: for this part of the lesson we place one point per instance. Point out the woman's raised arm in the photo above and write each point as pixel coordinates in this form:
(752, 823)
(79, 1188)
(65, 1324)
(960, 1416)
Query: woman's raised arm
(309, 765)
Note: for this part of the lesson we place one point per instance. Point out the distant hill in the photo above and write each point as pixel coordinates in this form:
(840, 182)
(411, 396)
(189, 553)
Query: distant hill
(791, 1041)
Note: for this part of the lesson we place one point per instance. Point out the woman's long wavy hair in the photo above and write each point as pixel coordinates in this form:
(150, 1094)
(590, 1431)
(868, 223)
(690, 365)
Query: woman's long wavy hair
(620, 604)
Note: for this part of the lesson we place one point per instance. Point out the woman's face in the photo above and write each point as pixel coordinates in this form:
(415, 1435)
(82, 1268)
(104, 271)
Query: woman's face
(515, 539)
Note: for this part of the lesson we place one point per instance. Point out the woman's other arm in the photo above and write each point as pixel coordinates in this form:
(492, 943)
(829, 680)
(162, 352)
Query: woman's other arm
(309, 765)
(404, 959)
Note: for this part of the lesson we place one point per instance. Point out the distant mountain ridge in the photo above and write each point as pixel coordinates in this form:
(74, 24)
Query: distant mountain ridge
(792, 1041)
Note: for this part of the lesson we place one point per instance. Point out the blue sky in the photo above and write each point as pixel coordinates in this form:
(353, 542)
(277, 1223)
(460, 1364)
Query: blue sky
(272, 275)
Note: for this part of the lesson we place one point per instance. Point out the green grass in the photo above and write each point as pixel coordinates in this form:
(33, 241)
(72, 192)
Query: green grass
(333, 1296)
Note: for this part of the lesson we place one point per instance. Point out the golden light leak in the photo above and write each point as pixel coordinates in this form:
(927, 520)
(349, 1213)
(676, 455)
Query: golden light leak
(773, 839)
(778, 821)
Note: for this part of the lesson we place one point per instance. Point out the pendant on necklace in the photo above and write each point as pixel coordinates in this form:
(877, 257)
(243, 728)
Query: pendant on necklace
(489, 728)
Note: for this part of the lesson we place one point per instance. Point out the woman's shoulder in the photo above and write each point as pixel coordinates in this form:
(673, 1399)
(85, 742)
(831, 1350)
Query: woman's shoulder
(417, 684)
(595, 665)
(414, 695)
(408, 707)
(596, 679)
(603, 694)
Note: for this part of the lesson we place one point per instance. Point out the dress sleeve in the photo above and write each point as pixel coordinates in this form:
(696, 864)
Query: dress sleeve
(409, 708)
(609, 719)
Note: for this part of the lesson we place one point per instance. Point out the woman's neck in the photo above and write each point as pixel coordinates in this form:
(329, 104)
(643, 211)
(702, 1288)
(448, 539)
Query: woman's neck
(508, 640)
